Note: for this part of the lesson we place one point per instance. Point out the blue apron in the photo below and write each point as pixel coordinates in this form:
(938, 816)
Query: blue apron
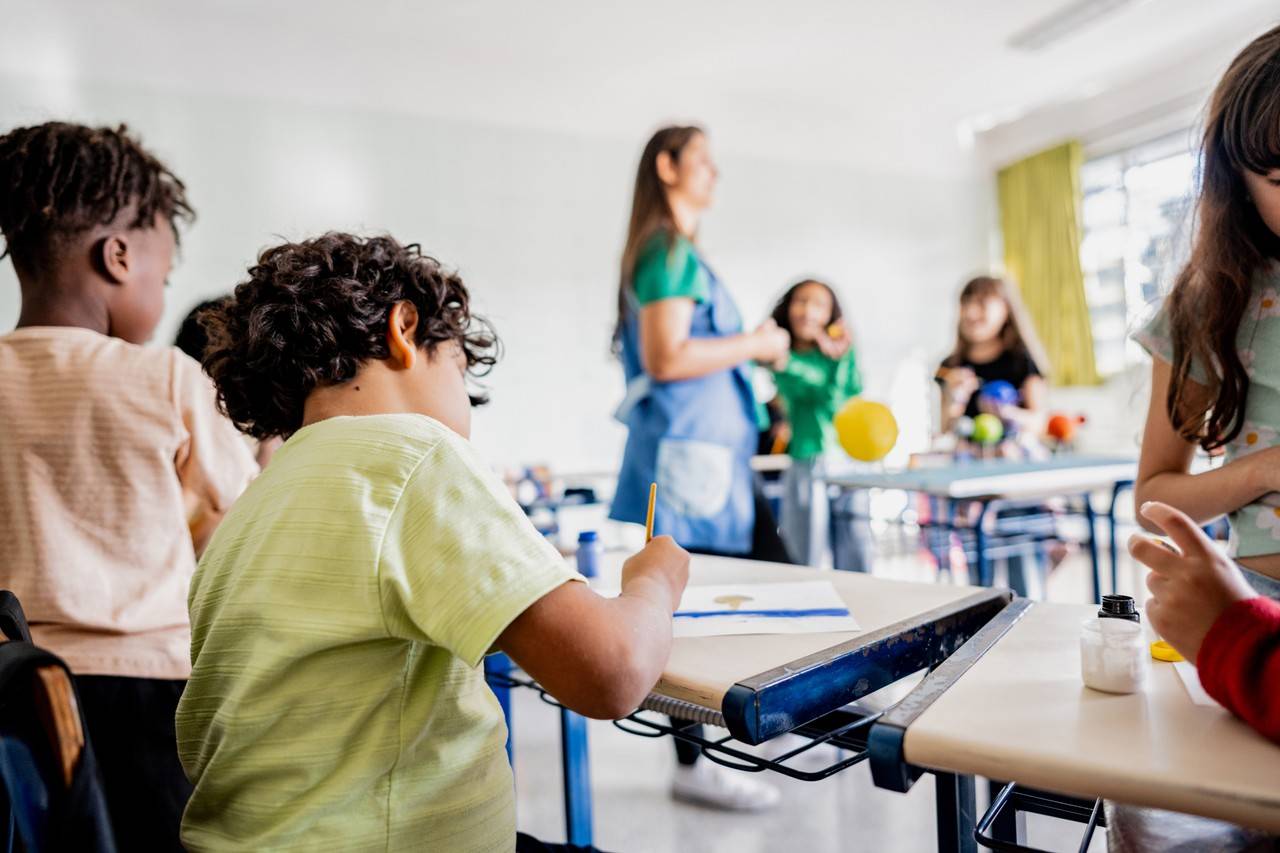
(694, 438)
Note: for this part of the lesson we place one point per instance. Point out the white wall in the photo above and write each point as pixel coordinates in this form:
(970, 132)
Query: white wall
(534, 220)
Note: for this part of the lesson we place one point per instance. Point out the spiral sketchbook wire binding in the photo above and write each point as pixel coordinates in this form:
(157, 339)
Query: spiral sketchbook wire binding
(681, 710)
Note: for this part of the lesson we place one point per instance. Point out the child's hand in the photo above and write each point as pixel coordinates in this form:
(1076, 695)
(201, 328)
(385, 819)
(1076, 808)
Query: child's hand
(663, 562)
(833, 348)
(960, 383)
(772, 343)
(1189, 590)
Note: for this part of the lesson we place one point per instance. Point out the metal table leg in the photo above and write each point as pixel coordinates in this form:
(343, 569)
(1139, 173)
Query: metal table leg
(500, 665)
(985, 572)
(575, 763)
(1091, 519)
(957, 813)
(1116, 491)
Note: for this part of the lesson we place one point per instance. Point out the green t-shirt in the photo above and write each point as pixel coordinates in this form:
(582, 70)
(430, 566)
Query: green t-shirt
(667, 269)
(338, 619)
(812, 387)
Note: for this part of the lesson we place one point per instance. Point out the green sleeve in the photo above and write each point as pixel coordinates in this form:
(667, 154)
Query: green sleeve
(801, 380)
(848, 378)
(668, 271)
(460, 560)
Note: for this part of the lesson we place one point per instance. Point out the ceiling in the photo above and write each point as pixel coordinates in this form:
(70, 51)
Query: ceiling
(885, 83)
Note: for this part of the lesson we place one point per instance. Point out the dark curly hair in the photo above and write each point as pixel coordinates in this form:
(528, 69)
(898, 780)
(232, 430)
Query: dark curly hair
(60, 180)
(312, 312)
(192, 337)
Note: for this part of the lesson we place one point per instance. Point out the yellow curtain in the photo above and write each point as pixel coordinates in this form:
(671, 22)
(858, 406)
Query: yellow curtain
(1040, 218)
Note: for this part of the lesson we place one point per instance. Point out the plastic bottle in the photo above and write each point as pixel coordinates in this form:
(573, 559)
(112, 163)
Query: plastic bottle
(1114, 657)
(588, 553)
(1119, 607)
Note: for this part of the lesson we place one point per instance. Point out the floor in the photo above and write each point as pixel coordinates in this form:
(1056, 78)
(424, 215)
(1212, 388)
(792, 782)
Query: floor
(630, 778)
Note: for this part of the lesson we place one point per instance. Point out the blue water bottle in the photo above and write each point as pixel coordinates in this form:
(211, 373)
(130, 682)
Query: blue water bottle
(588, 553)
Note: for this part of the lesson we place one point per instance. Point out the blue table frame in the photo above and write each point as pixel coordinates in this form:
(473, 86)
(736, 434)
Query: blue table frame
(575, 763)
(989, 483)
(773, 702)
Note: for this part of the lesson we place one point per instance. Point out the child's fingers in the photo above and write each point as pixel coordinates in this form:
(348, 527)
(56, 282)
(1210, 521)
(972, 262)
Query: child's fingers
(1153, 554)
(1158, 585)
(1182, 530)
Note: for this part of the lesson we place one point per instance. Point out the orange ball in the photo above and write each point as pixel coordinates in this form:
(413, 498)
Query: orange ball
(1063, 427)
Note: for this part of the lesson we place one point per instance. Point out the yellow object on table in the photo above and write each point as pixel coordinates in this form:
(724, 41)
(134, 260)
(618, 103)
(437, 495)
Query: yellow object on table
(1160, 650)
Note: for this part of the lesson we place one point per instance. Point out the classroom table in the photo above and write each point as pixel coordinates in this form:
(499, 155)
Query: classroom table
(760, 686)
(990, 482)
(1010, 704)
(1002, 698)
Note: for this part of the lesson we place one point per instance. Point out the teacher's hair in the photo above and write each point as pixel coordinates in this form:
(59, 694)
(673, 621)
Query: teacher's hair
(650, 210)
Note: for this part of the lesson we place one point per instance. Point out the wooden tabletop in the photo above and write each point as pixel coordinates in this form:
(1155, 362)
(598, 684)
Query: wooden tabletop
(1022, 713)
(702, 669)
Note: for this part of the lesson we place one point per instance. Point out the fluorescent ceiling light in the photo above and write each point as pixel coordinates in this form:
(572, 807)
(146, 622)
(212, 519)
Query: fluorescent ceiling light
(1065, 22)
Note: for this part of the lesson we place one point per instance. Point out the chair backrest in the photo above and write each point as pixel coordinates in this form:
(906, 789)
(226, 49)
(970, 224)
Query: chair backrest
(13, 622)
(54, 697)
(49, 800)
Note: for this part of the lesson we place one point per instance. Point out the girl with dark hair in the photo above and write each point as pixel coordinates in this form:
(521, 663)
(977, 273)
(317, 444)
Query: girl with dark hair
(1215, 371)
(994, 341)
(689, 408)
(817, 376)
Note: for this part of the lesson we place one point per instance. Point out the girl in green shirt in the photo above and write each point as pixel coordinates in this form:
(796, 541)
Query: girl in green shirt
(816, 378)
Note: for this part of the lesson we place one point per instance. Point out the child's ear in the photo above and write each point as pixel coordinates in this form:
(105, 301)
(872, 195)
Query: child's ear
(111, 258)
(402, 328)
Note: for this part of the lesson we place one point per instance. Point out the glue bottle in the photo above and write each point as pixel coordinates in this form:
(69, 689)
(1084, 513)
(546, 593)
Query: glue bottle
(1119, 607)
(588, 553)
(1114, 656)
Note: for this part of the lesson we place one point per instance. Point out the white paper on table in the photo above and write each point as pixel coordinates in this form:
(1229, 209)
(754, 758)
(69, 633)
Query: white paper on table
(721, 610)
(1191, 680)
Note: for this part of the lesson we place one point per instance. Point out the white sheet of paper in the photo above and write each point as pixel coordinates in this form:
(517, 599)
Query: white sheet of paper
(806, 607)
(1191, 680)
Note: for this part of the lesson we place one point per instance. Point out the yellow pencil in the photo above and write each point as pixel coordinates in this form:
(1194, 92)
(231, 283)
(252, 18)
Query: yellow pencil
(648, 516)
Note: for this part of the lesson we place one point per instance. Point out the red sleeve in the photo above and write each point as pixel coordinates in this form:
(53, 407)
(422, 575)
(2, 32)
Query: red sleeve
(1239, 663)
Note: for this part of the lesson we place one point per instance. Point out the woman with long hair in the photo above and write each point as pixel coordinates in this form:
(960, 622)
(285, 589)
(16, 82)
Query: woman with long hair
(689, 408)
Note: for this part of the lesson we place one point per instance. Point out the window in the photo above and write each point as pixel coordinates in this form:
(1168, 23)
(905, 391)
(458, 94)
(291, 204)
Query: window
(1136, 223)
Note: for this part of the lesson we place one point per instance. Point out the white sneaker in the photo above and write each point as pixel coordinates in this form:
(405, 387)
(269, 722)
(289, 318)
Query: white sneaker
(708, 784)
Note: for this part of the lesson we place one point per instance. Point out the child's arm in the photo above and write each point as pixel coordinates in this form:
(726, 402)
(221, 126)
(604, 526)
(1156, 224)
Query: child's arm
(1239, 663)
(1166, 460)
(601, 656)
(955, 386)
(1204, 607)
(214, 464)
(671, 354)
(1030, 415)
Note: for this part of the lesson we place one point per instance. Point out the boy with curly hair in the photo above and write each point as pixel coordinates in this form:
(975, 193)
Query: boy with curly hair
(342, 609)
(102, 445)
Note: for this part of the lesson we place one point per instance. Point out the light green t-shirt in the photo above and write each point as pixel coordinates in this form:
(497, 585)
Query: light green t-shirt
(1255, 528)
(338, 619)
(812, 387)
(666, 269)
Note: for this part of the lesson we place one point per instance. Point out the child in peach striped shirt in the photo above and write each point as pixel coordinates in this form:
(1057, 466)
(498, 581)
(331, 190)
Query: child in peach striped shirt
(103, 443)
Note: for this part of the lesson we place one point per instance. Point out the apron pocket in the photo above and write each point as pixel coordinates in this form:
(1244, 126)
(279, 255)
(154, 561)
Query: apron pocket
(694, 477)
